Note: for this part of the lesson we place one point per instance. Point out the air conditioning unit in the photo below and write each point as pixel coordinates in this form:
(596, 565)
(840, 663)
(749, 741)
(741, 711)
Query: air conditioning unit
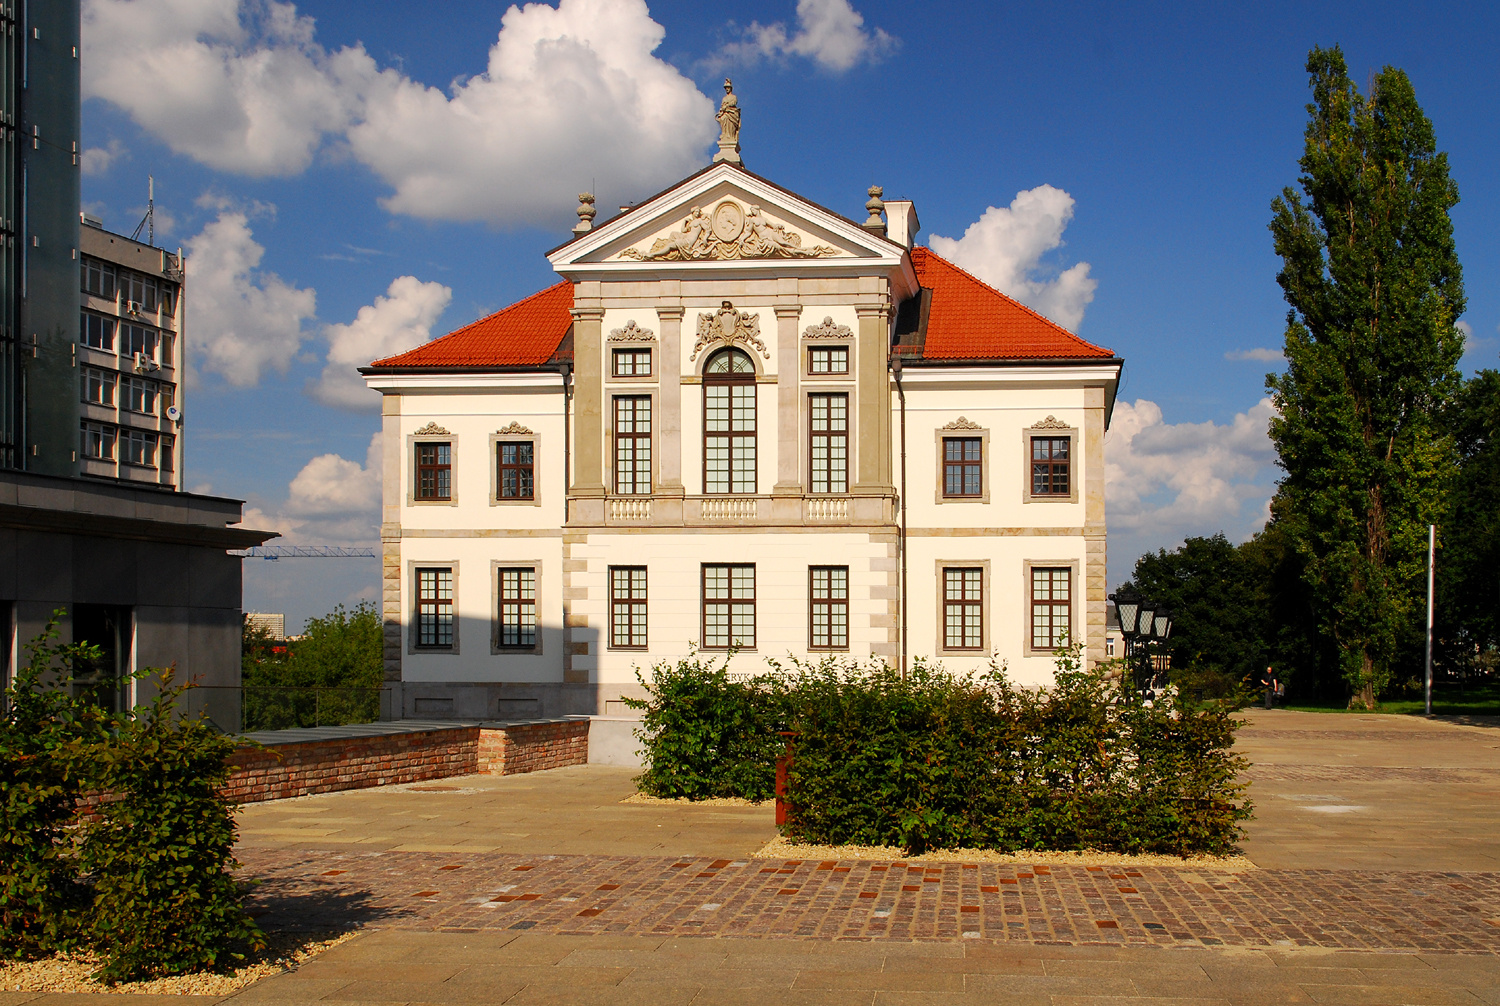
(144, 364)
(133, 308)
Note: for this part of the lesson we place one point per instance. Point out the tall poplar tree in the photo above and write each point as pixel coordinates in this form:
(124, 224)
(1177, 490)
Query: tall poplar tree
(1374, 284)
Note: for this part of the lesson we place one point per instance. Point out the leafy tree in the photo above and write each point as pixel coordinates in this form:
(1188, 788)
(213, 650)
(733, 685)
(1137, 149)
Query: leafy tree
(1374, 283)
(1468, 568)
(328, 676)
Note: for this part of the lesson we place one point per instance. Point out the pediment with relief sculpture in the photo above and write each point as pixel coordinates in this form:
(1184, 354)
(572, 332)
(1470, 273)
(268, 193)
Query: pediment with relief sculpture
(728, 230)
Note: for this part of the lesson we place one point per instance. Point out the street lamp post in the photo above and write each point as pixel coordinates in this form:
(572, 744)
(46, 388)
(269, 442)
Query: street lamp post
(1141, 623)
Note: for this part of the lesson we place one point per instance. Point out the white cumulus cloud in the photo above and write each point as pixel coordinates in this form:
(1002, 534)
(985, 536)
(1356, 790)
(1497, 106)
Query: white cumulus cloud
(1260, 354)
(239, 85)
(829, 32)
(396, 322)
(1166, 481)
(333, 500)
(97, 160)
(241, 321)
(1004, 247)
(570, 94)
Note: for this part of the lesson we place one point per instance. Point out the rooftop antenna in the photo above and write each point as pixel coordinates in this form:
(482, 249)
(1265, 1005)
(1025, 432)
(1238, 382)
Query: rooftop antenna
(149, 220)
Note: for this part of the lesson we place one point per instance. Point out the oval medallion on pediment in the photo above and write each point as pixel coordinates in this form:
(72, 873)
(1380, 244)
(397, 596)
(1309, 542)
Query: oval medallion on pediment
(728, 221)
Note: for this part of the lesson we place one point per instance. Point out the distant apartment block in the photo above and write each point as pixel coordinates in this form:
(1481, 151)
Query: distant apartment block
(273, 624)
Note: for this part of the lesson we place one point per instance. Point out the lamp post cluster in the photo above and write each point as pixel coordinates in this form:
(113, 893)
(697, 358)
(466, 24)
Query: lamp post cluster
(1142, 623)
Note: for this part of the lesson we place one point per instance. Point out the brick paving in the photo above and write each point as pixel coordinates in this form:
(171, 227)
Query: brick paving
(872, 901)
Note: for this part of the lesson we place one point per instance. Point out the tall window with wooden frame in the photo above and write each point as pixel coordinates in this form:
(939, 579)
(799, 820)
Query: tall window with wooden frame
(633, 445)
(829, 449)
(627, 607)
(1051, 607)
(434, 470)
(630, 363)
(963, 608)
(728, 606)
(1050, 466)
(516, 469)
(517, 622)
(435, 608)
(963, 466)
(828, 596)
(729, 423)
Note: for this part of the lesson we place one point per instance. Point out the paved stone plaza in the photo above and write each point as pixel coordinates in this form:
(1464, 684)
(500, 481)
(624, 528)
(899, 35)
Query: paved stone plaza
(1375, 844)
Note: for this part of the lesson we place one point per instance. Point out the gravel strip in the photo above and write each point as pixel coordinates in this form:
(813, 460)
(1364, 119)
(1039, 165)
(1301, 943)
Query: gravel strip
(780, 848)
(73, 972)
(718, 801)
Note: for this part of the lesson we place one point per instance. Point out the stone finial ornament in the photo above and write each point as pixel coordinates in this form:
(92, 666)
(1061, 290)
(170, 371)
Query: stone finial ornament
(729, 126)
(876, 206)
(586, 213)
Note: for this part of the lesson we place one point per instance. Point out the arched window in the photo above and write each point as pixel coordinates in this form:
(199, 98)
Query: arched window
(729, 423)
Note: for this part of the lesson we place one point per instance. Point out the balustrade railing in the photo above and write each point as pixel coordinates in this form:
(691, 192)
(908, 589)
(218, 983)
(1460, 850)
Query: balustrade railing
(729, 508)
(827, 508)
(625, 508)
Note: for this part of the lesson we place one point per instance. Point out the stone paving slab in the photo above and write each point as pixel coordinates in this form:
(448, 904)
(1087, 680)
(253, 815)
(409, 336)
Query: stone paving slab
(870, 901)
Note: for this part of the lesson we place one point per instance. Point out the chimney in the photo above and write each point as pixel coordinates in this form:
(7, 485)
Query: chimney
(903, 225)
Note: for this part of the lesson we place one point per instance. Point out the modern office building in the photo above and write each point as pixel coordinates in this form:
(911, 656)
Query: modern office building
(740, 421)
(92, 519)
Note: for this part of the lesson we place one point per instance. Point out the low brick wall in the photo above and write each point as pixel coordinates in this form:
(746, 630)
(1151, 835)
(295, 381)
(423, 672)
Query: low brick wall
(296, 767)
(532, 747)
(302, 769)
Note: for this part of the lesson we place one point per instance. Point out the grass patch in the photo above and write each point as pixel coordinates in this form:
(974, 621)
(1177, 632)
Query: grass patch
(1474, 700)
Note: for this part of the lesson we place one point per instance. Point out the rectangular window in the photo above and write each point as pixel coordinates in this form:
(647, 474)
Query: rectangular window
(137, 447)
(830, 443)
(1049, 466)
(98, 278)
(98, 386)
(99, 441)
(728, 607)
(168, 345)
(167, 293)
(138, 395)
(633, 445)
(138, 292)
(828, 360)
(168, 396)
(136, 339)
(1109, 646)
(435, 608)
(1051, 607)
(434, 471)
(729, 438)
(97, 331)
(518, 608)
(168, 446)
(829, 596)
(963, 609)
(517, 469)
(627, 607)
(962, 466)
(631, 363)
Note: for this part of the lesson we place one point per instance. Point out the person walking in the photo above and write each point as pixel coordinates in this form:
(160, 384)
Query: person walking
(1272, 687)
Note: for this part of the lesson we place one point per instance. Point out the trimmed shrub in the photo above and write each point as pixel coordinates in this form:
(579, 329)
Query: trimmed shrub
(943, 761)
(707, 735)
(161, 850)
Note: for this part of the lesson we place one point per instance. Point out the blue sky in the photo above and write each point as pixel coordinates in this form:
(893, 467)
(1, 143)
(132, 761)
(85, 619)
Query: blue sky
(359, 147)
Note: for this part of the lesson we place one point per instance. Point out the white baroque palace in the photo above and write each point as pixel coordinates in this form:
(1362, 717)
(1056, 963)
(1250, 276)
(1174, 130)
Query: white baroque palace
(739, 420)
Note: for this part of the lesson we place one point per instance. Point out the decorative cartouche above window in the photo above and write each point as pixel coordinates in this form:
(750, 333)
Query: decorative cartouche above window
(432, 430)
(827, 330)
(727, 326)
(631, 332)
(729, 232)
(513, 429)
(962, 423)
(1050, 423)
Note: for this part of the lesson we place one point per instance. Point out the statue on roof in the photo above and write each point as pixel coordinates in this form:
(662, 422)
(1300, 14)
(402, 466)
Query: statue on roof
(729, 125)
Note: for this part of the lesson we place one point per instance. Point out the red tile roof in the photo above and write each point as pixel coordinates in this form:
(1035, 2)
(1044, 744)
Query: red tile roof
(971, 321)
(526, 334)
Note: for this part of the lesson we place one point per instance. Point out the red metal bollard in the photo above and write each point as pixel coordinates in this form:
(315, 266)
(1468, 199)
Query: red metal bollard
(783, 763)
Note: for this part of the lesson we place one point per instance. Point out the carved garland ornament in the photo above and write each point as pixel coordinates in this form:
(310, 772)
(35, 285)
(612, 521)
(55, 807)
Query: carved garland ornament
(962, 423)
(514, 427)
(631, 332)
(827, 330)
(1051, 423)
(730, 232)
(432, 429)
(726, 327)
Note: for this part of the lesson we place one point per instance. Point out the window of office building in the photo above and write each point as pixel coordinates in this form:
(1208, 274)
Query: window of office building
(829, 599)
(1051, 606)
(829, 449)
(963, 466)
(633, 444)
(98, 386)
(627, 607)
(516, 462)
(517, 608)
(97, 332)
(434, 470)
(631, 363)
(99, 441)
(963, 608)
(728, 607)
(729, 423)
(828, 360)
(1050, 466)
(435, 608)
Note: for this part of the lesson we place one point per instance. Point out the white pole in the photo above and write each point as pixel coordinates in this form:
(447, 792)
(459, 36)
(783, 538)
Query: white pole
(1431, 556)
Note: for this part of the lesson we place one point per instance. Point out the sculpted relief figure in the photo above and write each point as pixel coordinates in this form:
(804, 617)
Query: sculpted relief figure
(729, 233)
(689, 243)
(764, 239)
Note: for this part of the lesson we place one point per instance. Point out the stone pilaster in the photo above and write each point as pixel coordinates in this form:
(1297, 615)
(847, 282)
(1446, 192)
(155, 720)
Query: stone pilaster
(873, 465)
(669, 405)
(1095, 574)
(588, 416)
(788, 402)
(391, 499)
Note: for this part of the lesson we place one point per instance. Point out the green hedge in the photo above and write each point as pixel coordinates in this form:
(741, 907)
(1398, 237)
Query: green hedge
(113, 831)
(937, 760)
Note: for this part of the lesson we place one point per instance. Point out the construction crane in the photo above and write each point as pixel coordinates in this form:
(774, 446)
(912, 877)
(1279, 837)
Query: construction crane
(275, 552)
